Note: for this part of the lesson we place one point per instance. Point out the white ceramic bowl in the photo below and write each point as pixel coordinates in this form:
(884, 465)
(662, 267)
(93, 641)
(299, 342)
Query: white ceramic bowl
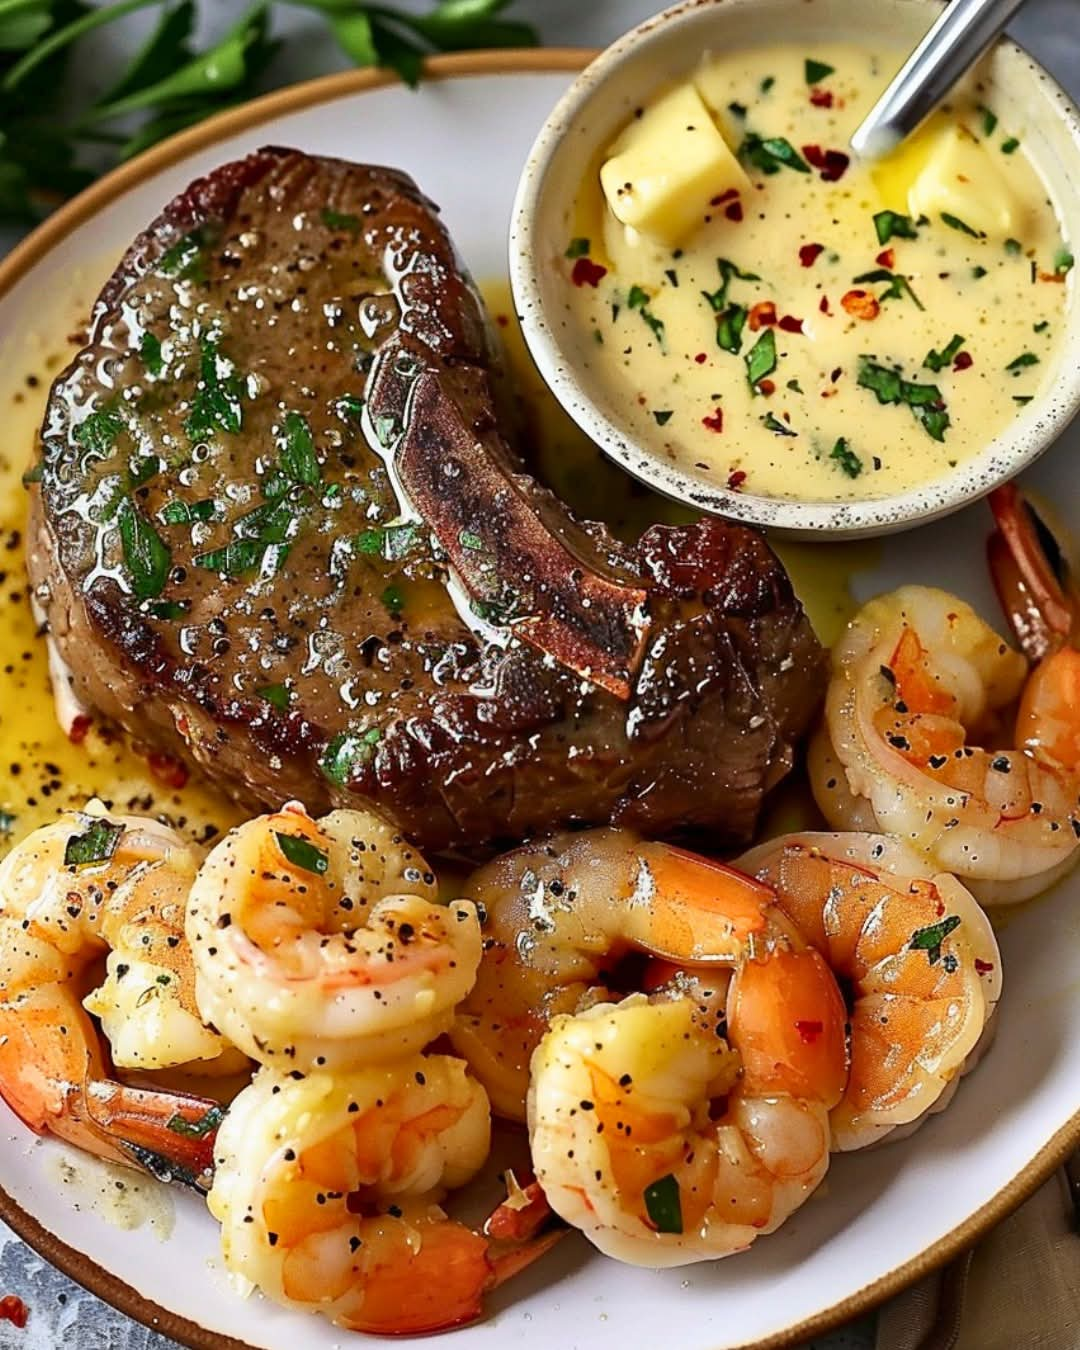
(598, 105)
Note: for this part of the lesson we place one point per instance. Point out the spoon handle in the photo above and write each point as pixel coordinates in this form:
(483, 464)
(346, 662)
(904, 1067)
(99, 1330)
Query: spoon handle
(956, 41)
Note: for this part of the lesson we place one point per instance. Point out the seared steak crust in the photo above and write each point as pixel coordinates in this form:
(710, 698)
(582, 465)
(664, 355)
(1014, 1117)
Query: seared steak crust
(279, 532)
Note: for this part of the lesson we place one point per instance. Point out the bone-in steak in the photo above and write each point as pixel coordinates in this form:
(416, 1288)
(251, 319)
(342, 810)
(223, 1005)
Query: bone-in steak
(278, 530)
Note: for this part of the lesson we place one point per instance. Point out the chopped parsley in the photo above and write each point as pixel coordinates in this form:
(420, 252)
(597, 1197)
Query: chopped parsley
(989, 120)
(1063, 262)
(216, 405)
(261, 537)
(771, 154)
(146, 557)
(1010, 145)
(1013, 247)
(638, 299)
(936, 361)
(729, 328)
(150, 352)
(96, 844)
(346, 752)
(894, 225)
(662, 417)
(761, 358)
(277, 695)
(663, 1204)
(197, 1129)
(816, 71)
(186, 259)
(955, 223)
(929, 939)
(1017, 364)
(775, 425)
(298, 459)
(767, 83)
(179, 512)
(340, 220)
(848, 460)
(729, 272)
(392, 542)
(578, 248)
(393, 600)
(898, 286)
(98, 433)
(303, 853)
(924, 400)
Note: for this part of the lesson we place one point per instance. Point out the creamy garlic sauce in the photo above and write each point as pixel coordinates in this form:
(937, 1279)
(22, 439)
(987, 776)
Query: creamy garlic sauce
(117, 1195)
(821, 331)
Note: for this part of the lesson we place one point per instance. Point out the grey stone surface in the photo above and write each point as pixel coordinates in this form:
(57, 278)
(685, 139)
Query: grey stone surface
(61, 1313)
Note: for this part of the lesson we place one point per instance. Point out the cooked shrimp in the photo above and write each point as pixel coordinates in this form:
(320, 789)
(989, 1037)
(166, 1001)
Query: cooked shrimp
(667, 1143)
(918, 957)
(915, 673)
(320, 944)
(70, 892)
(328, 1192)
(562, 914)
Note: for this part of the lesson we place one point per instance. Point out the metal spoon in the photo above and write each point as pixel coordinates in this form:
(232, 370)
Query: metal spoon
(952, 46)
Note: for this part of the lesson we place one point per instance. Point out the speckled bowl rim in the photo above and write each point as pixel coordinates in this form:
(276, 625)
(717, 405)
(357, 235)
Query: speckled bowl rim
(78, 1265)
(1031, 433)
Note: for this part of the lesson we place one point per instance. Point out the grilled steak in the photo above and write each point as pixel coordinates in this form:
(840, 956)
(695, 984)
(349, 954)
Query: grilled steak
(279, 531)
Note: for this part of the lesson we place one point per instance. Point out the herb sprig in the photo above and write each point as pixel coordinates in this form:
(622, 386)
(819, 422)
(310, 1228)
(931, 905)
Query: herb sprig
(49, 150)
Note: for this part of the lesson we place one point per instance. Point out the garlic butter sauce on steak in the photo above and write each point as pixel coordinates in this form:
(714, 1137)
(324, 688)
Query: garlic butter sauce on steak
(279, 530)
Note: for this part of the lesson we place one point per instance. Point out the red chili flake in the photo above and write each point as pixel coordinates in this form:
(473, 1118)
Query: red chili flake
(13, 1309)
(790, 324)
(587, 273)
(766, 387)
(861, 304)
(724, 197)
(832, 164)
(168, 769)
(715, 421)
(809, 1031)
(983, 967)
(963, 361)
(736, 478)
(502, 320)
(809, 254)
(733, 211)
(821, 98)
(701, 358)
(762, 315)
(887, 258)
(79, 728)
(837, 371)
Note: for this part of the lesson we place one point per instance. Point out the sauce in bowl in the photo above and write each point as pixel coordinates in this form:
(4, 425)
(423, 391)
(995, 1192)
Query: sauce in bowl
(795, 324)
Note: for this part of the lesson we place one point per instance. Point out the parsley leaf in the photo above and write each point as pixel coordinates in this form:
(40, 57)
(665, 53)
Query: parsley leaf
(898, 287)
(761, 358)
(955, 223)
(936, 361)
(924, 400)
(816, 71)
(771, 154)
(892, 224)
(146, 556)
(848, 460)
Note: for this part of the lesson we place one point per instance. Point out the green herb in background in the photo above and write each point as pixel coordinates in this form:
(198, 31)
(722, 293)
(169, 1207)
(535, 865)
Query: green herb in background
(49, 151)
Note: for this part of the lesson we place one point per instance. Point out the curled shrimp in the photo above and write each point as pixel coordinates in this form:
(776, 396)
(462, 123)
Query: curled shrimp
(73, 890)
(915, 675)
(667, 1142)
(918, 957)
(562, 916)
(328, 1189)
(320, 943)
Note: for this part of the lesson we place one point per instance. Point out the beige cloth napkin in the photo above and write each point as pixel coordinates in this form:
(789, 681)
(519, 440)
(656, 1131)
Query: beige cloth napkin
(1018, 1289)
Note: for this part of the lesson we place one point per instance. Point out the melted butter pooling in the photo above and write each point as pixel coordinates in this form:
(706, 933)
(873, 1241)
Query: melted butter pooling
(793, 272)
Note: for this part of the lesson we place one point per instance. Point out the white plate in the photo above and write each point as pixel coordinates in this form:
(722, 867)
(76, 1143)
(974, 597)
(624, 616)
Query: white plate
(883, 1217)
